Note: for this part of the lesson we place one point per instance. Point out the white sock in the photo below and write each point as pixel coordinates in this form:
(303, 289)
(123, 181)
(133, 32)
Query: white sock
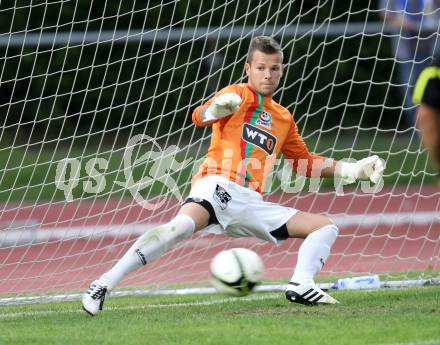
(149, 247)
(313, 253)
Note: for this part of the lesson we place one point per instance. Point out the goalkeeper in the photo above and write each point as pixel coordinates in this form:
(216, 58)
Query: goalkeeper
(427, 95)
(249, 130)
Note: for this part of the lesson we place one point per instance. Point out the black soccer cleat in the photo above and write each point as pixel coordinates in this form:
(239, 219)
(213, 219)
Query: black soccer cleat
(308, 294)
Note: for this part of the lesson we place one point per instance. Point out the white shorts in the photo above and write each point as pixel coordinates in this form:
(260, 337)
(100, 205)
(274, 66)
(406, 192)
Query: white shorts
(240, 211)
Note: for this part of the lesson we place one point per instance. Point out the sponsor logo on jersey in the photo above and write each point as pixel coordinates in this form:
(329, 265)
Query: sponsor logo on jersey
(221, 196)
(259, 138)
(264, 119)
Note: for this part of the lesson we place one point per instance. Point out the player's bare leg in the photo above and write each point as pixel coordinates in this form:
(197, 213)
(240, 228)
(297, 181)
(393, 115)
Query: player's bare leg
(428, 122)
(319, 233)
(198, 214)
(148, 247)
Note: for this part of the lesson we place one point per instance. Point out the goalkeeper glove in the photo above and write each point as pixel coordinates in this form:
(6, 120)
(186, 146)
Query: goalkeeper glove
(223, 105)
(370, 168)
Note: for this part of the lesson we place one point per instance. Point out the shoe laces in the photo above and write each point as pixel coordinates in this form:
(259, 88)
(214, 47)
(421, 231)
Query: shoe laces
(97, 292)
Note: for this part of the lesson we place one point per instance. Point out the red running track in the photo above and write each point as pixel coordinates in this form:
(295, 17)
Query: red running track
(70, 264)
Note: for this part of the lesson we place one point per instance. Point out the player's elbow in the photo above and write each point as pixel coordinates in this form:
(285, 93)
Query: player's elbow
(197, 117)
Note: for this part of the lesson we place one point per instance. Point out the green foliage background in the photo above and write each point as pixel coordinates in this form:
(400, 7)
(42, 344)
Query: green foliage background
(86, 94)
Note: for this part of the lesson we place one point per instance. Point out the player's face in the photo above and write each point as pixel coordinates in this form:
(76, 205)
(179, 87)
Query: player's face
(264, 72)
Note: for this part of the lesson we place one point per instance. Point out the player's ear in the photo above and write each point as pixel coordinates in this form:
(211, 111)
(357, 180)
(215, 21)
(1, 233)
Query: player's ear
(247, 68)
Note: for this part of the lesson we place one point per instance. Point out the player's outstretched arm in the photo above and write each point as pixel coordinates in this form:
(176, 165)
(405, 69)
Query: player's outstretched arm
(367, 169)
(295, 149)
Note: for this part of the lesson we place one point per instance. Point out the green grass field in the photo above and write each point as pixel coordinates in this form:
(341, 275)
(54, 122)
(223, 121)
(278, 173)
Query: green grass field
(384, 317)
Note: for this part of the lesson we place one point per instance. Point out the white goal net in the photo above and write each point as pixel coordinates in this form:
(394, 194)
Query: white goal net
(97, 144)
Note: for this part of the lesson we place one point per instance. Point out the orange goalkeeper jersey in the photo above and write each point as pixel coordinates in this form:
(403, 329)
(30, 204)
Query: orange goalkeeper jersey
(244, 146)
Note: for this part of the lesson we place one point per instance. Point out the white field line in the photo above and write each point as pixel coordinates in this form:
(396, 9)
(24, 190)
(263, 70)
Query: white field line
(43, 235)
(392, 219)
(268, 288)
(161, 292)
(6, 315)
(35, 235)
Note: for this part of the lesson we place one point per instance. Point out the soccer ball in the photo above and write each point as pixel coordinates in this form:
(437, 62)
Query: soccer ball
(236, 271)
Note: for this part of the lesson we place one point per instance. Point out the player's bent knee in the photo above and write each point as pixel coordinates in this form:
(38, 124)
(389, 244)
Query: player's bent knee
(334, 228)
(328, 221)
(200, 210)
(302, 224)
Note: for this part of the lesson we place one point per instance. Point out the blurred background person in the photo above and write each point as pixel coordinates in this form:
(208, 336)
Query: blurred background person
(427, 95)
(415, 26)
